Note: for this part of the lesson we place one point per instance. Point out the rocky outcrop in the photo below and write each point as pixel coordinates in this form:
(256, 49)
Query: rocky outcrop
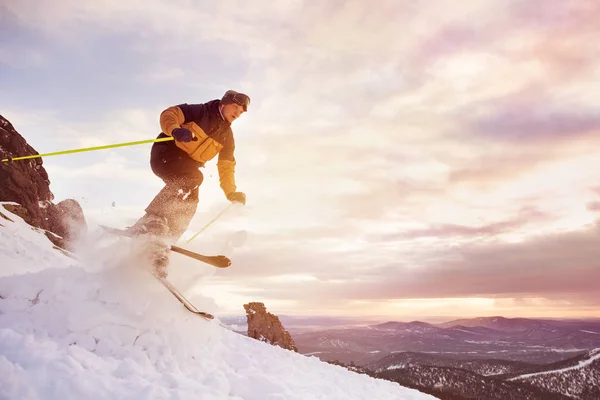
(266, 327)
(26, 183)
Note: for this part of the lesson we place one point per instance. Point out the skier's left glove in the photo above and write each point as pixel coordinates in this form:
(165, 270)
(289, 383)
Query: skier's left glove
(237, 197)
(182, 135)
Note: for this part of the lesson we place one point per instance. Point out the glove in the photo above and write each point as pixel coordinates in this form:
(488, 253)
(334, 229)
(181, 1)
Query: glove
(237, 197)
(182, 135)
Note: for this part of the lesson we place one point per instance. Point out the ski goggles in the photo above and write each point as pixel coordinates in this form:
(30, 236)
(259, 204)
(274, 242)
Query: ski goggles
(242, 100)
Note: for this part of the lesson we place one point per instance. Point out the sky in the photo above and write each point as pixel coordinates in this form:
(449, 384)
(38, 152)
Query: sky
(401, 159)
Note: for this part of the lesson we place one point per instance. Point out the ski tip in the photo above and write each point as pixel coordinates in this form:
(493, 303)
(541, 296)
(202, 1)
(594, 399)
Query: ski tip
(224, 261)
(206, 315)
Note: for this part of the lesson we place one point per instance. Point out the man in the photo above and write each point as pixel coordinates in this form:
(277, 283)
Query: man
(200, 132)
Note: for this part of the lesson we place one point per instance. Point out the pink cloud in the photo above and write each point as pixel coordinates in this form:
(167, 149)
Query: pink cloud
(525, 217)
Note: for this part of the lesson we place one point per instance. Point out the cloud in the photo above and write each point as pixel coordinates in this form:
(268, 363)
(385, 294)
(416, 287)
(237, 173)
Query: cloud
(560, 266)
(535, 123)
(525, 217)
(171, 74)
(19, 57)
(550, 266)
(48, 131)
(113, 167)
(409, 150)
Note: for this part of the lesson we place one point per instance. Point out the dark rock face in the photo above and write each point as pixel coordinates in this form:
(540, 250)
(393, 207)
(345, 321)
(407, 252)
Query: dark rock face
(26, 183)
(267, 327)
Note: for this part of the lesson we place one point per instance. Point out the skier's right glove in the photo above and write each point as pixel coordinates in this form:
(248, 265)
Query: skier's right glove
(237, 197)
(182, 135)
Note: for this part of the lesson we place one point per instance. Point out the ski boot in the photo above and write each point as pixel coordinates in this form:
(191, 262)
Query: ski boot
(149, 224)
(153, 229)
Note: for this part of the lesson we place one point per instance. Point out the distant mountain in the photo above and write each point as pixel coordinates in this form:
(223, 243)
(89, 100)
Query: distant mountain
(517, 339)
(523, 324)
(497, 323)
(485, 367)
(414, 326)
(450, 378)
(460, 384)
(578, 377)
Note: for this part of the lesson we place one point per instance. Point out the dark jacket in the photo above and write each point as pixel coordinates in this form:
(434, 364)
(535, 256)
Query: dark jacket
(214, 137)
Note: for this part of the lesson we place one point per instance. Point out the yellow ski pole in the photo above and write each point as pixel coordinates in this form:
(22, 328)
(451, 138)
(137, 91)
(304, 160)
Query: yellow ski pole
(209, 224)
(110, 146)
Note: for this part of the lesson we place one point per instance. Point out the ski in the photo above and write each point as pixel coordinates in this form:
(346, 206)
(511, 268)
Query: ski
(186, 303)
(219, 261)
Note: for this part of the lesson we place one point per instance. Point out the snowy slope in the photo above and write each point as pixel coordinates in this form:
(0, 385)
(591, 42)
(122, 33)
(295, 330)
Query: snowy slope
(578, 381)
(95, 328)
(594, 355)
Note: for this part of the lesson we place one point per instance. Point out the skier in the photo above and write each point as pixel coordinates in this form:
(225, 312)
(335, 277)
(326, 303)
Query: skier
(200, 132)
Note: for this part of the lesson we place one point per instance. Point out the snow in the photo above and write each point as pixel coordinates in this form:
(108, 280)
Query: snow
(466, 331)
(335, 343)
(595, 333)
(595, 355)
(96, 328)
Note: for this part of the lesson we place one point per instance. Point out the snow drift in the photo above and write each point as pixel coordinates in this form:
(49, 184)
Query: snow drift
(97, 326)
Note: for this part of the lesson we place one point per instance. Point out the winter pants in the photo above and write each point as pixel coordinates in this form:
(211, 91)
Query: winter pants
(178, 199)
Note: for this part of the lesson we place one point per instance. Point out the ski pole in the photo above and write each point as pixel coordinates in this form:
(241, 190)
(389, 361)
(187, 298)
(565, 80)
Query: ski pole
(110, 146)
(210, 223)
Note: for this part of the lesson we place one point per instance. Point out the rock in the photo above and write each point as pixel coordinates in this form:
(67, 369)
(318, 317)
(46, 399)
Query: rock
(266, 327)
(26, 183)
(66, 219)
